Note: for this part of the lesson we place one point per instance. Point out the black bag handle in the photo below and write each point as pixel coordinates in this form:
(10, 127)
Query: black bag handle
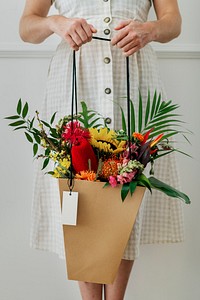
(74, 101)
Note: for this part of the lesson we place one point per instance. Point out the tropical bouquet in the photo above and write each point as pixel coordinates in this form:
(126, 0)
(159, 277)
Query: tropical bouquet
(84, 147)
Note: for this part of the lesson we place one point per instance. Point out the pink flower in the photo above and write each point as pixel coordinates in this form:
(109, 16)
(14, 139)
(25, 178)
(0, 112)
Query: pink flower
(121, 179)
(112, 181)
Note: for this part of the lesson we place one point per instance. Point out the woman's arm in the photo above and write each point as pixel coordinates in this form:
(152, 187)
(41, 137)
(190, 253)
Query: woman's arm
(35, 26)
(134, 35)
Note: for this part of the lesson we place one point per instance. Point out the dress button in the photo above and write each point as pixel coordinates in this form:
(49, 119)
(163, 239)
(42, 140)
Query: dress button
(107, 31)
(105, 0)
(107, 20)
(106, 60)
(107, 90)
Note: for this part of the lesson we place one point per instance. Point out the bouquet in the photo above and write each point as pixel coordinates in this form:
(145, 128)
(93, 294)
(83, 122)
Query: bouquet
(84, 147)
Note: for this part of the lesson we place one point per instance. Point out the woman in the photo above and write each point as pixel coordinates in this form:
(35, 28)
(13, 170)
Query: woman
(101, 82)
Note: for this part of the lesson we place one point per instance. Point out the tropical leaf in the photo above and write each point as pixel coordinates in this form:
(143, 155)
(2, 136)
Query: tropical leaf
(140, 113)
(168, 190)
(158, 104)
(143, 180)
(124, 191)
(132, 186)
(123, 120)
(87, 115)
(154, 104)
(147, 109)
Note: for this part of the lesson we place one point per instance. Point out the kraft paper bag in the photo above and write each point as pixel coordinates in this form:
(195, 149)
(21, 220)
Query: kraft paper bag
(95, 246)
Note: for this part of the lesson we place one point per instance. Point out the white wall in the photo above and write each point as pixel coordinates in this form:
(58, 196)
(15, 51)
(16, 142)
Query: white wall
(162, 272)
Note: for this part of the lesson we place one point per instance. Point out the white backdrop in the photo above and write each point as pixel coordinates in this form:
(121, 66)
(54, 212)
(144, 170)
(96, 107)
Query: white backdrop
(162, 272)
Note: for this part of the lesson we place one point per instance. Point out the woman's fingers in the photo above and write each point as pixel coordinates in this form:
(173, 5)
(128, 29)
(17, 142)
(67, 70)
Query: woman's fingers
(75, 31)
(131, 36)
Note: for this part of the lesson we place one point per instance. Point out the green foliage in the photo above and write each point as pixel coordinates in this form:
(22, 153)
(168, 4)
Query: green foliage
(168, 190)
(89, 118)
(156, 114)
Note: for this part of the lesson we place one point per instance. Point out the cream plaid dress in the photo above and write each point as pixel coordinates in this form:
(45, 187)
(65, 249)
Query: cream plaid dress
(102, 83)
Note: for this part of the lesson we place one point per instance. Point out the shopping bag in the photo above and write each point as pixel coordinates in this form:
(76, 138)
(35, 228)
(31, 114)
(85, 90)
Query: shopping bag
(95, 246)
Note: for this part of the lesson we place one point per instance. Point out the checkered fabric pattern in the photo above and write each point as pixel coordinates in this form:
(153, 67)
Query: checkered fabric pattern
(102, 84)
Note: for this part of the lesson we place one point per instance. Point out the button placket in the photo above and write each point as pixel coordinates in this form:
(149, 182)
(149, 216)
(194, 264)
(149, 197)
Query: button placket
(106, 60)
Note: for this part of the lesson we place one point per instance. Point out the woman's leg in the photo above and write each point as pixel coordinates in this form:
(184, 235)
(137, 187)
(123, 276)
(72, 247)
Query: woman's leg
(116, 291)
(90, 291)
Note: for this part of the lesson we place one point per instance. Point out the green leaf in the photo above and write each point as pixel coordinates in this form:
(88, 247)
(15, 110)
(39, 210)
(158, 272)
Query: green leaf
(153, 106)
(19, 106)
(132, 187)
(106, 184)
(21, 127)
(140, 113)
(37, 138)
(35, 149)
(46, 124)
(12, 117)
(18, 123)
(53, 118)
(133, 125)
(123, 120)
(124, 191)
(147, 109)
(31, 123)
(145, 181)
(47, 151)
(158, 104)
(29, 138)
(168, 190)
(25, 110)
(46, 162)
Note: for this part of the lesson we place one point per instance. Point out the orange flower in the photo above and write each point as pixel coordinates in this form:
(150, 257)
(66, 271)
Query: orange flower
(154, 142)
(86, 175)
(138, 136)
(110, 168)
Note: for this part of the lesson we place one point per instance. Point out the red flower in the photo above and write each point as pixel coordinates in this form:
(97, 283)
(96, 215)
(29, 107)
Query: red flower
(81, 153)
(73, 133)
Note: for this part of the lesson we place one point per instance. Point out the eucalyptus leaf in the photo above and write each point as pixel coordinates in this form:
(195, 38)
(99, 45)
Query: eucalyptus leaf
(29, 138)
(25, 110)
(53, 118)
(18, 123)
(19, 106)
(35, 149)
(12, 117)
(46, 162)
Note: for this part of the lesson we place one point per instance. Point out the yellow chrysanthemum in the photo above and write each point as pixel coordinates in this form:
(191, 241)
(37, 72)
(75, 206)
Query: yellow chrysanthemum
(104, 140)
(62, 167)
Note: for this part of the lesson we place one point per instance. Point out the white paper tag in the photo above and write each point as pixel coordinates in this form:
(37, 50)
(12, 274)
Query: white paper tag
(69, 208)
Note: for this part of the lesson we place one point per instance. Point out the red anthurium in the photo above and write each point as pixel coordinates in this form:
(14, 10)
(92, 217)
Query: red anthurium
(81, 153)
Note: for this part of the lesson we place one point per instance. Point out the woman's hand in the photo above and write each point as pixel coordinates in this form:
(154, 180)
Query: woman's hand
(132, 36)
(75, 31)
